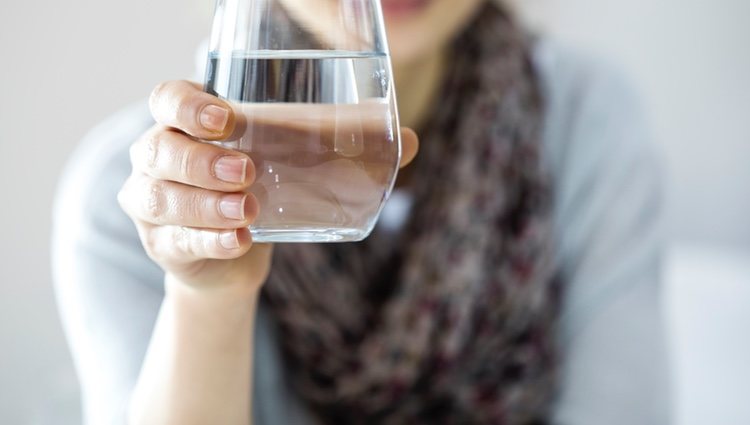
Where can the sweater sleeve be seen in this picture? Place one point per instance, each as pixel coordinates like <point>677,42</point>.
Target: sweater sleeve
<point>614,367</point>
<point>108,290</point>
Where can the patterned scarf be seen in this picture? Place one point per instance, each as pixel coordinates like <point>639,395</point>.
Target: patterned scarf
<point>453,322</point>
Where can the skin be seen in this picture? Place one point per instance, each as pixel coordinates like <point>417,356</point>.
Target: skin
<point>417,39</point>
<point>188,202</point>
<point>419,48</point>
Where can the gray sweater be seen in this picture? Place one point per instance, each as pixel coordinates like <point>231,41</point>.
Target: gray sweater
<point>607,209</point>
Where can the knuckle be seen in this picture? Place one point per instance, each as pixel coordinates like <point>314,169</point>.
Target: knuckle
<point>151,148</point>
<point>157,93</point>
<point>200,204</point>
<point>186,110</point>
<point>185,160</point>
<point>210,244</point>
<point>182,240</point>
<point>144,152</point>
<point>155,199</point>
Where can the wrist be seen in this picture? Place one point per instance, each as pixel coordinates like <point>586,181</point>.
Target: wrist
<point>224,297</point>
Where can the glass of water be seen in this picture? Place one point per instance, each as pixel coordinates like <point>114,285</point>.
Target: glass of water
<point>311,85</point>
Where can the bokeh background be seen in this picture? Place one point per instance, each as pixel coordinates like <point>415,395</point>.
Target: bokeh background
<point>66,65</point>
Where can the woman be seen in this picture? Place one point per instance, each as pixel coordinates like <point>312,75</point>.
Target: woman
<point>513,278</point>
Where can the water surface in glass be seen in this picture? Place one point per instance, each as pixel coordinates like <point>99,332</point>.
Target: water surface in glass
<point>322,130</point>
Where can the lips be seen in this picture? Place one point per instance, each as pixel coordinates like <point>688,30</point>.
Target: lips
<point>403,8</point>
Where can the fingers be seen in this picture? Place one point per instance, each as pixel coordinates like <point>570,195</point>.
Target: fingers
<point>168,155</point>
<point>183,105</point>
<point>409,146</point>
<point>162,202</point>
<point>178,244</point>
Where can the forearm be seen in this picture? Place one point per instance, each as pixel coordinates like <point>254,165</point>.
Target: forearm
<point>198,366</point>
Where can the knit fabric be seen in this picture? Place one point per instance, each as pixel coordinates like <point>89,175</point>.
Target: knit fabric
<point>453,322</point>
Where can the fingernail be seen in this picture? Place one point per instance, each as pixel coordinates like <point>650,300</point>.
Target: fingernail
<point>231,169</point>
<point>233,207</point>
<point>228,240</point>
<point>214,118</point>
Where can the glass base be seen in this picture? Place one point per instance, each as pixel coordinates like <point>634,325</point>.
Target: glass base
<point>307,235</point>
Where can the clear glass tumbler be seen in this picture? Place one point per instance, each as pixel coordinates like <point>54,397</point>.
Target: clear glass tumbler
<point>311,85</point>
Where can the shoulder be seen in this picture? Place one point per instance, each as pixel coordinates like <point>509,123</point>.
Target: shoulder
<point>594,109</point>
<point>108,291</point>
<point>595,115</point>
<point>607,178</point>
<point>91,234</point>
<point>86,194</point>
<point>565,69</point>
<point>597,136</point>
<point>105,147</point>
<point>570,73</point>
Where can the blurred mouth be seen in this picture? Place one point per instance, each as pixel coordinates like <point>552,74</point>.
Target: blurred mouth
<point>403,8</point>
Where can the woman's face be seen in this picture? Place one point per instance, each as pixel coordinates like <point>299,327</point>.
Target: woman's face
<point>416,28</point>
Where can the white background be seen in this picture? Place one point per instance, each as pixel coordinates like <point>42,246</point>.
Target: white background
<point>68,64</point>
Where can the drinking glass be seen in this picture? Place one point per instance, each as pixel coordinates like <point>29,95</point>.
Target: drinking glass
<point>310,82</point>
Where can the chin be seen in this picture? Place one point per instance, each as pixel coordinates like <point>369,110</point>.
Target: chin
<point>410,43</point>
<point>429,27</point>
